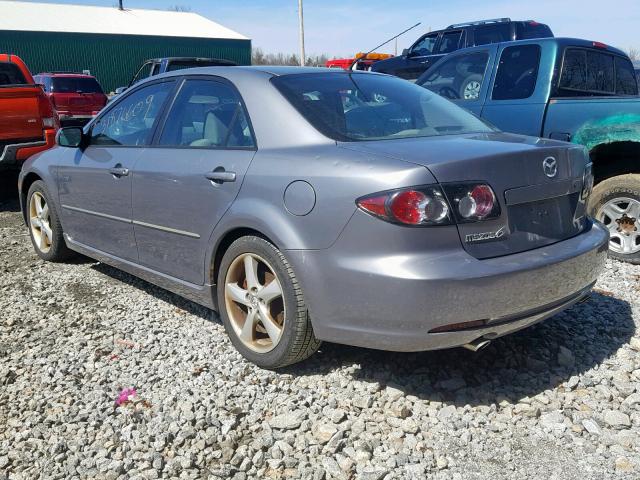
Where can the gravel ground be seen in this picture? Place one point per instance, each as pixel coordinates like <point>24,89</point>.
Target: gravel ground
<point>560,400</point>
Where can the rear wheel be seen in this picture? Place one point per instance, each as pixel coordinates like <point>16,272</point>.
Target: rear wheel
<point>44,225</point>
<point>616,203</point>
<point>262,306</point>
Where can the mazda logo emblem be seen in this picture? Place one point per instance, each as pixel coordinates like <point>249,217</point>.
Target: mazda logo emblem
<point>550,167</point>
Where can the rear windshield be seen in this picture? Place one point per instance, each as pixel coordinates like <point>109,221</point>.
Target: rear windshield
<point>526,30</point>
<point>10,74</point>
<point>75,85</point>
<point>356,107</point>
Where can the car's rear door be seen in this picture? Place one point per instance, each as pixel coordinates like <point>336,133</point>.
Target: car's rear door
<point>188,179</point>
<point>95,181</point>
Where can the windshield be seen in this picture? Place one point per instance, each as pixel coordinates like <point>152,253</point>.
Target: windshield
<point>75,85</point>
<point>356,107</point>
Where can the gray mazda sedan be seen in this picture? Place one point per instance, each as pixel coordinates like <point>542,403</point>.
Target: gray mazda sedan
<point>309,205</point>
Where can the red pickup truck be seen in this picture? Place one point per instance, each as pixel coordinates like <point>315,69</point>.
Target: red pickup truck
<point>28,122</point>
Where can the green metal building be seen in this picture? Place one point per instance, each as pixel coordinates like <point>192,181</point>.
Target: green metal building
<point>110,43</point>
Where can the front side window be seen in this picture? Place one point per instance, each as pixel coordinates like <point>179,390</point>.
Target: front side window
<point>626,83</point>
<point>207,114</point>
<point>131,121</point>
<point>425,46</point>
<point>517,73</point>
<point>458,78</point>
<point>486,34</point>
<point>449,42</point>
<point>356,107</point>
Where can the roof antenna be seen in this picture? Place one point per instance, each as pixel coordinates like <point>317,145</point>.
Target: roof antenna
<point>120,7</point>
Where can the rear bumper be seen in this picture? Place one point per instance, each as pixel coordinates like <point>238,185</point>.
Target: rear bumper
<point>392,300</point>
<point>14,154</point>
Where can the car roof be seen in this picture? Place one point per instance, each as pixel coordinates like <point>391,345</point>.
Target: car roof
<point>254,70</point>
<point>64,74</point>
<point>560,41</point>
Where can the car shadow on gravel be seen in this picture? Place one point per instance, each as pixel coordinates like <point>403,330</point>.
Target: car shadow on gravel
<point>520,365</point>
<point>9,191</point>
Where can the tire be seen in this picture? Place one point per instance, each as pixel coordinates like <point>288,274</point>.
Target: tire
<point>54,248</point>
<point>269,348</point>
<point>616,203</point>
<point>470,83</point>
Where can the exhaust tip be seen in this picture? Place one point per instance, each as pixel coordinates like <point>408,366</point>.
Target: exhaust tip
<point>477,344</point>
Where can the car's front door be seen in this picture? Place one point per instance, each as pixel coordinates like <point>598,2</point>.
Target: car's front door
<point>419,57</point>
<point>188,179</point>
<point>95,181</point>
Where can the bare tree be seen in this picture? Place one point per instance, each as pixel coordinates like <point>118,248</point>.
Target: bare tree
<point>258,57</point>
<point>634,54</point>
<point>179,8</point>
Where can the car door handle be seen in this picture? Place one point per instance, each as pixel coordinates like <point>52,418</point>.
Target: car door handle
<point>119,171</point>
<point>221,176</point>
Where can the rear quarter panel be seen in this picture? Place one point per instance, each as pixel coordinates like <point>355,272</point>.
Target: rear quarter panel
<point>594,121</point>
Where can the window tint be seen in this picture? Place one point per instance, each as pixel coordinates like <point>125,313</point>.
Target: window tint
<point>600,72</point>
<point>449,42</point>
<point>425,46</point>
<point>10,74</point>
<point>625,78</point>
<point>460,77</point>
<point>517,73</point>
<point>75,85</point>
<point>527,30</point>
<point>487,34</point>
<point>207,114</point>
<point>589,72</point>
<point>131,121</point>
<point>354,107</point>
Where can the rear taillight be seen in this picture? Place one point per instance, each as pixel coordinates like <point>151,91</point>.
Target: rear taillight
<point>471,202</point>
<point>587,182</point>
<point>47,113</point>
<point>417,206</point>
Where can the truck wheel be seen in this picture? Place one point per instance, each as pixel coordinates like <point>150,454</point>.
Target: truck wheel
<point>616,203</point>
<point>470,88</point>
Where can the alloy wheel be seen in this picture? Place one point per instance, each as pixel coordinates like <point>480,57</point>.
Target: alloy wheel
<point>254,302</point>
<point>622,217</point>
<point>471,90</point>
<point>40,222</point>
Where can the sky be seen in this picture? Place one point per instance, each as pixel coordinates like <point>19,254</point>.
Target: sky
<point>344,27</point>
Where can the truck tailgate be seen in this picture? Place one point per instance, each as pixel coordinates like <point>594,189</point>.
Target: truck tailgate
<point>20,116</point>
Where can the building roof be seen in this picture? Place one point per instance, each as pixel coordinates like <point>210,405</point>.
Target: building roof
<point>54,17</point>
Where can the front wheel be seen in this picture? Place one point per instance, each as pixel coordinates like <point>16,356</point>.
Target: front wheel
<point>262,306</point>
<point>616,203</point>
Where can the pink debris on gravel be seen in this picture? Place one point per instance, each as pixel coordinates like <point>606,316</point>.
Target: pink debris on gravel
<point>125,395</point>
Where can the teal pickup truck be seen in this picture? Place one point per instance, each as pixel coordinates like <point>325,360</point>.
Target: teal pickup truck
<point>567,89</point>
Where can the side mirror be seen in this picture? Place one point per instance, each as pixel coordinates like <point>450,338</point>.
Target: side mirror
<point>405,52</point>
<point>119,90</point>
<point>70,137</point>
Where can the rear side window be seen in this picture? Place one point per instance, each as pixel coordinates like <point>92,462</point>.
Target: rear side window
<point>75,85</point>
<point>517,73</point>
<point>10,74</point>
<point>207,114</point>
<point>626,83</point>
<point>449,42</point>
<point>527,30</point>
<point>459,77</point>
<point>588,72</point>
<point>487,34</point>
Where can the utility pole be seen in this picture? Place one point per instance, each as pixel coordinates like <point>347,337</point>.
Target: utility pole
<point>301,23</point>
<point>120,7</point>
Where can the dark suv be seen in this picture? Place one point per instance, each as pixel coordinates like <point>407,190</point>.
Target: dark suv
<point>430,47</point>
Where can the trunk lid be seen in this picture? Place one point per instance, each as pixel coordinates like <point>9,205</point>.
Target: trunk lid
<point>536,209</point>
